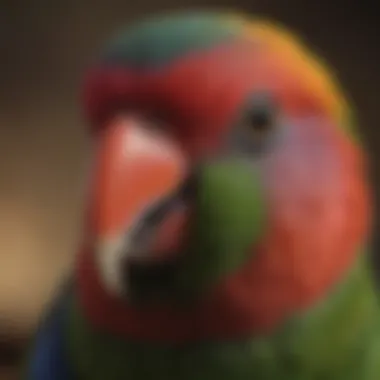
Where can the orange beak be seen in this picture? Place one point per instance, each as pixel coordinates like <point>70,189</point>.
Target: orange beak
<point>135,167</point>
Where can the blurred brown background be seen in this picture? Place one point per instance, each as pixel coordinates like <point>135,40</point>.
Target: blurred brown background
<point>45,45</point>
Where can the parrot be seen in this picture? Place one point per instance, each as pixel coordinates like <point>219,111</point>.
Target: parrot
<point>228,216</point>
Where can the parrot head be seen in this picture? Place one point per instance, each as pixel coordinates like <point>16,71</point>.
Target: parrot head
<point>228,189</point>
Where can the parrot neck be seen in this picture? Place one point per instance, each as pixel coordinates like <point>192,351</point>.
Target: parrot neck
<point>316,341</point>
<point>226,315</point>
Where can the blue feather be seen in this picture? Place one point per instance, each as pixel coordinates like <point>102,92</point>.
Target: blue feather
<point>49,358</point>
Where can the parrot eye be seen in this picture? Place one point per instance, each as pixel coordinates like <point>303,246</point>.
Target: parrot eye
<point>256,124</point>
<point>261,115</point>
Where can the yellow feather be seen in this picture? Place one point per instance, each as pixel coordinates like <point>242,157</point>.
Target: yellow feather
<point>302,61</point>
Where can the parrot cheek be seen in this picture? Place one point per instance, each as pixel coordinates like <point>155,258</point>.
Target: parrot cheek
<point>137,208</point>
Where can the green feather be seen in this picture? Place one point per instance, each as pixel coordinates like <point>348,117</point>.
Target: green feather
<point>230,216</point>
<point>156,42</point>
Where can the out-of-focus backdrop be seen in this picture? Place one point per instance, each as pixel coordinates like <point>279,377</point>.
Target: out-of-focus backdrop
<point>45,45</point>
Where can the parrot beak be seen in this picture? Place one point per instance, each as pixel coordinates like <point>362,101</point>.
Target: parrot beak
<point>154,225</point>
<point>137,211</point>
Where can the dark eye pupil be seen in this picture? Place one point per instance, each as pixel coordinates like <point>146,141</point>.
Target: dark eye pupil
<point>260,119</point>
<point>261,113</point>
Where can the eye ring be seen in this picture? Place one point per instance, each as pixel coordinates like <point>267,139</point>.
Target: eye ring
<point>254,131</point>
<point>261,116</point>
